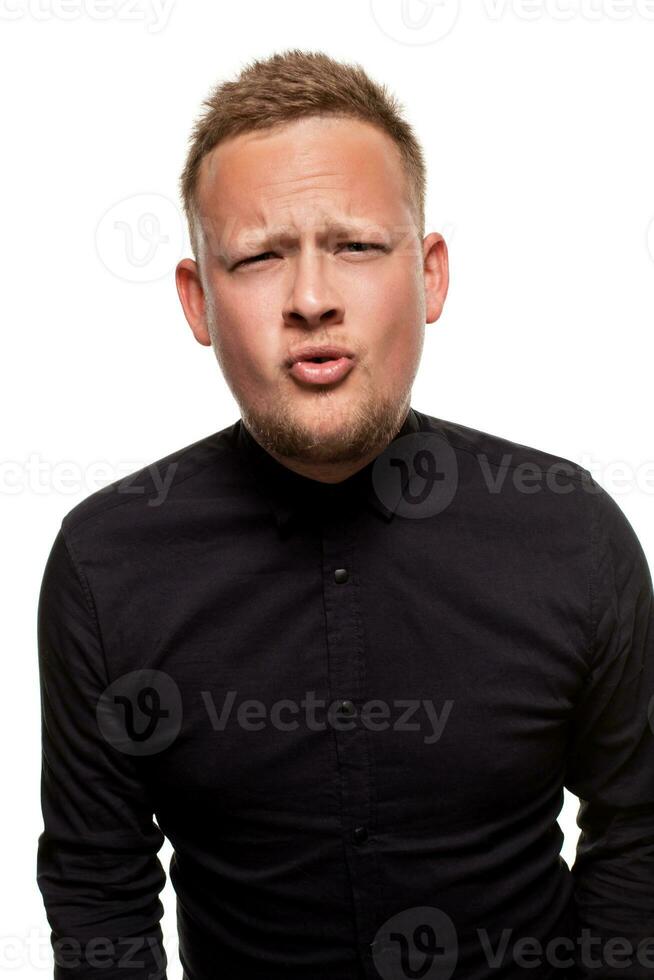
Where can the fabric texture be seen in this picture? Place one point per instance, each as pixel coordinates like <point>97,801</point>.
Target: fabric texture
<point>352,708</point>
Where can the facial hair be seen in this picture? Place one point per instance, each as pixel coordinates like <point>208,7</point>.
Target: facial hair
<point>368,427</point>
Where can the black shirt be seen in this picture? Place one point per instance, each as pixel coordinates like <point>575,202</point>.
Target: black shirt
<point>352,709</point>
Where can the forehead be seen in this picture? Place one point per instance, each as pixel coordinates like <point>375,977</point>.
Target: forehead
<point>311,164</point>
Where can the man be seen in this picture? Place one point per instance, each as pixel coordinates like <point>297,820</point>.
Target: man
<point>351,654</point>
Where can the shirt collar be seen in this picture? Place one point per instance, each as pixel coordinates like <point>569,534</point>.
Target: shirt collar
<point>288,493</point>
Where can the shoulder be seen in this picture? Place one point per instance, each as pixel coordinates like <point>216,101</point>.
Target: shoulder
<point>490,450</point>
<point>146,490</point>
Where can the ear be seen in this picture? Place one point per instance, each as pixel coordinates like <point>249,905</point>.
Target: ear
<point>436,274</point>
<point>191,296</point>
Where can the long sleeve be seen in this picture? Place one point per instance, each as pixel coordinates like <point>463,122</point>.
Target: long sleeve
<point>97,864</point>
<point>611,757</point>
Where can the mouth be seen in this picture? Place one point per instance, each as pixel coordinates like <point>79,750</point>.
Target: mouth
<point>322,370</point>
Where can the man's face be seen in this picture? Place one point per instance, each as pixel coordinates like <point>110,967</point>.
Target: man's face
<point>294,202</point>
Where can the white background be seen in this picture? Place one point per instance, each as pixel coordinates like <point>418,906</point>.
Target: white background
<point>536,120</point>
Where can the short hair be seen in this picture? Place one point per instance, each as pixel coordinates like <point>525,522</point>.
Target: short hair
<point>290,85</point>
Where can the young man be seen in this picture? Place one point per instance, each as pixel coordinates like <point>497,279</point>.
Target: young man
<point>352,654</point>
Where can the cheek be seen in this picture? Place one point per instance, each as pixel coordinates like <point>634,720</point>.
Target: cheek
<point>400,357</point>
<point>397,287</point>
<point>392,316</point>
<point>245,326</point>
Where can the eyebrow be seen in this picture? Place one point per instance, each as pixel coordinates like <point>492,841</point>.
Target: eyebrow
<point>252,238</point>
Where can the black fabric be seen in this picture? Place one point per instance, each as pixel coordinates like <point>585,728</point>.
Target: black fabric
<point>506,638</point>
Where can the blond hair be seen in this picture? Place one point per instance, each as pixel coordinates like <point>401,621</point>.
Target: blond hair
<point>290,85</point>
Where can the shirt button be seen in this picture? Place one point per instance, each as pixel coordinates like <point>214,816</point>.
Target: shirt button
<point>346,708</point>
<point>359,835</point>
<point>340,575</point>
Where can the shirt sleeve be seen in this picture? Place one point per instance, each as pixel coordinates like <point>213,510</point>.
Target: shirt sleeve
<point>97,864</point>
<point>610,764</point>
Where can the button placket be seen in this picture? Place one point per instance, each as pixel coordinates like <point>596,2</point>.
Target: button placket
<point>346,671</point>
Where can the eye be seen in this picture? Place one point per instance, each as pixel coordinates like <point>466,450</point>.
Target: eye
<point>359,249</point>
<point>254,258</point>
<point>365,245</point>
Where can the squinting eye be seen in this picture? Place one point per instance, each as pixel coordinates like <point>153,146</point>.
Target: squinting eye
<point>367,245</point>
<point>254,258</point>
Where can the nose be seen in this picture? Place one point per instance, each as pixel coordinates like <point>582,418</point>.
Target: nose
<point>313,300</point>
